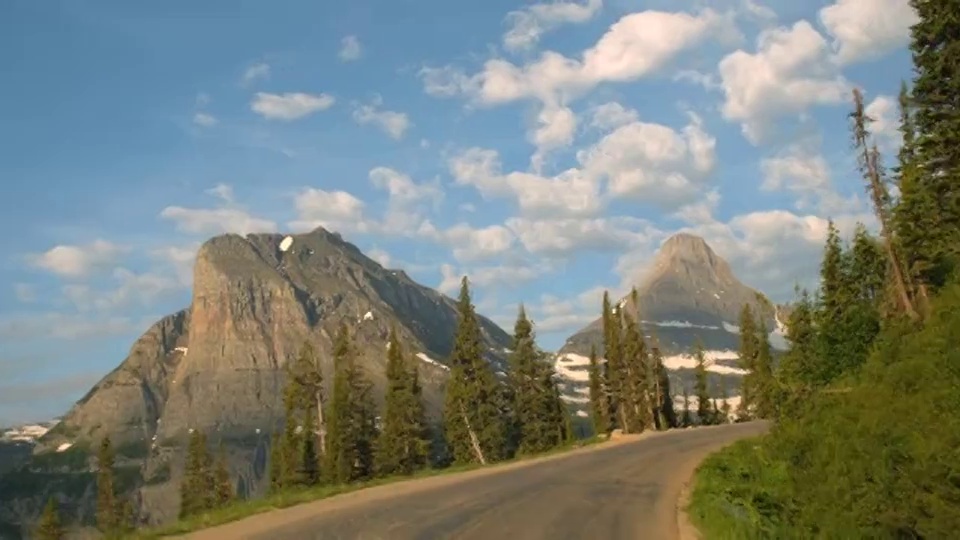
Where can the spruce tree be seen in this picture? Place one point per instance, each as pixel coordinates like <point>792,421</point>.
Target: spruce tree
<point>223,483</point>
<point>613,351</point>
<point>700,385</point>
<point>551,414</point>
<point>667,417</point>
<point>352,430</point>
<point>49,527</point>
<point>936,101</point>
<point>197,489</point>
<point>402,446</point>
<point>636,414</point>
<point>110,510</point>
<point>599,410</point>
<point>525,385</point>
<point>747,359</point>
<point>476,430</point>
<point>765,388</point>
<point>307,378</point>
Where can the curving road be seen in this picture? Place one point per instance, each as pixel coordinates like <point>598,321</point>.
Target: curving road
<point>625,489</point>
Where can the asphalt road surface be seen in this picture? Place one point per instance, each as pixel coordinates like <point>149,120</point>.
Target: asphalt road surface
<point>624,489</point>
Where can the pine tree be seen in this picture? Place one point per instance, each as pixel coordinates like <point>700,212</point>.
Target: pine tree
<point>352,431</point>
<point>599,409</point>
<point>223,483</point>
<point>525,386</point>
<point>667,416</point>
<point>402,446</point>
<point>872,170</point>
<point>936,119</point>
<point>110,510</point>
<point>634,363</point>
<point>616,374</point>
<point>765,389</point>
<point>197,490</point>
<point>49,527</point>
<point>476,430</point>
<point>700,385</point>
<point>749,349</point>
<point>307,377</point>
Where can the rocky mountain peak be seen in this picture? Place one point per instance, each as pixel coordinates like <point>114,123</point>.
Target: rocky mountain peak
<point>688,254</point>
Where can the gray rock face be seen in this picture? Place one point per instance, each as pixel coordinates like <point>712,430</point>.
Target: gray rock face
<point>689,293</point>
<point>218,365</point>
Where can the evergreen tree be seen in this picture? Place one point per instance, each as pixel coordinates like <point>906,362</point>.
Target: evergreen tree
<point>700,385</point>
<point>551,414</point>
<point>667,417</point>
<point>307,382</point>
<point>223,483</point>
<point>748,352</point>
<point>936,120</point>
<point>403,443</point>
<point>636,413</point>
<point>725,408</point>
<point>476,430</point>
<point>599,409</point>
<point>525,385</point>
<point>352,431</point>
<point>277,465</point>
<point>765,390</point>
<point>49,527</point>
<point>616,376</point>
<point>197,490</point>
<point>872,170</point>
<point>110,509</point>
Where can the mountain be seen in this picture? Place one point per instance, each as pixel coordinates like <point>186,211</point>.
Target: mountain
<point>688,293</point>
<point>217,366</point>
<point>17,443</point>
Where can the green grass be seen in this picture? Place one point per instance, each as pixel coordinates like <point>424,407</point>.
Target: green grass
<point>742,493</point>
<point>242,509</point>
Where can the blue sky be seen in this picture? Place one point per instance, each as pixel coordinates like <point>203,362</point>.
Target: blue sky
<point>545,150</point>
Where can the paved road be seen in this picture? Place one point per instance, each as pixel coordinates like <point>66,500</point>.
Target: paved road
<point>624,489</point>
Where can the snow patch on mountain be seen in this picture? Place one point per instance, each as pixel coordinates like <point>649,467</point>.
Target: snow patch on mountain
<point>26,433</point>
<point>689,361</point>
<point>573,367</point>
<point>427,359</point>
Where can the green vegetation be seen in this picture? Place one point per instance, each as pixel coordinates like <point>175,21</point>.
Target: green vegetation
<point>114,514</point>
<point>866,440</point>
<point>50,527</point>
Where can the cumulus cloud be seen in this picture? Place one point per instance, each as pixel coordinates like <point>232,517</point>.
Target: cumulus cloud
<point>350,49</point>
<point>333,210</point>
<point>179,258</point>
<point>129,289</point>
<point>290,106</point>
<point>612,115</point>
<point>790,71</point>
<point>492,277</point>
<point>469,243</point>
<point>407,200</point>
<point>527,25</point>
<point>78,261</point>
<point>883,112</point>
<point>394,124</point>
<point>867,29</point>
<point>637,159</point>
<point>565,237</point>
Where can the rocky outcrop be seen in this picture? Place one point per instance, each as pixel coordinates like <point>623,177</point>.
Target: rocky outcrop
<point>218,366</point>
<point>689,293</point>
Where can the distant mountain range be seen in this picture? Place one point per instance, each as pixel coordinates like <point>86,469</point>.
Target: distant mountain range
<point>217,365</point>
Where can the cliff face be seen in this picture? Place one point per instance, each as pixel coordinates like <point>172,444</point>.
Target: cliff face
<point>218,366</point>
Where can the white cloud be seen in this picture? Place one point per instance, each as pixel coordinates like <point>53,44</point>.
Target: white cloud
<point>791,71</point>
<point>180,258</point>
<point>255,72</point>
<point>798,169</point>
<point>401,188</point>
<point>470,244</point>
<point>204,119</point>
<point>350,49</point>
<point>884,113</point>
<point>210,221</point>
<point>290,106</point>
<point>333,210</point>
<point>867,29</point>
<point>527,25</point>
<point>564,237</point>
<point>381,256</point>
<point>634,46</point>
<point>394,124</point>
<point>77,261</point>
<point>638,160</point>
<point>612,115</point>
